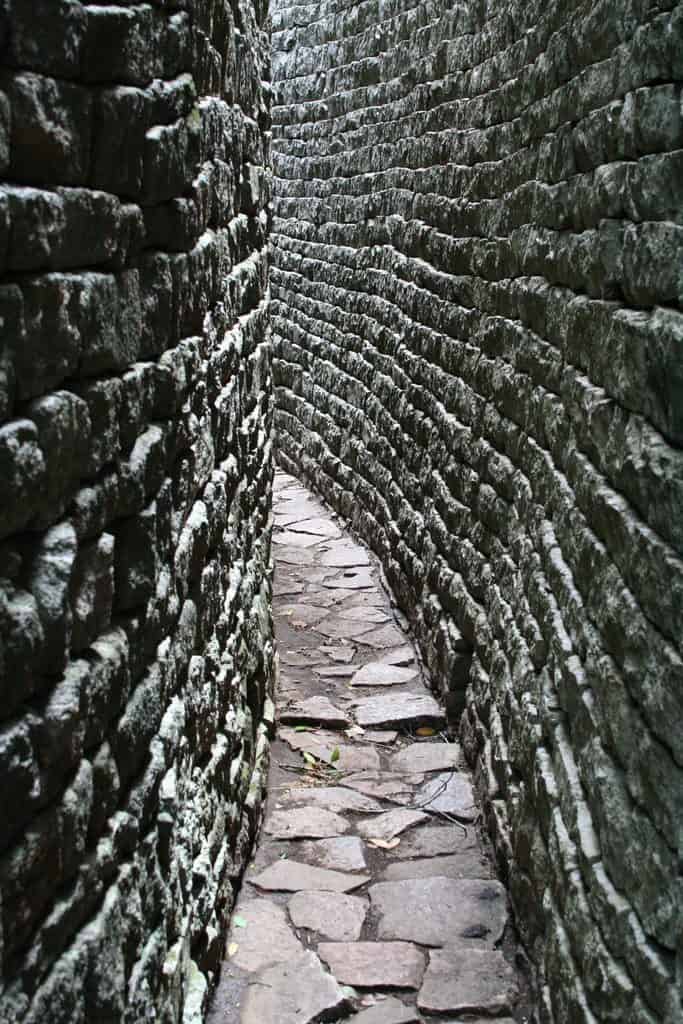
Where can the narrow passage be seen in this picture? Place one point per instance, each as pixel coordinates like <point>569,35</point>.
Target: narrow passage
<point>370,896</point>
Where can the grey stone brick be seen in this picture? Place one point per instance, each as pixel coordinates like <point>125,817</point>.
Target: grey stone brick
<point>50,140</point>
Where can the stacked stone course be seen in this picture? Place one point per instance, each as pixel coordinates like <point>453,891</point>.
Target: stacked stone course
<point>135,482</point>
<point>477,285</point>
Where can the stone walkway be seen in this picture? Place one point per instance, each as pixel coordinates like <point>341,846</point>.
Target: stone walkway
<point>370,896</point>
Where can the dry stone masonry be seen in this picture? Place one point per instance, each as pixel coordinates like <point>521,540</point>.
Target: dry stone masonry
<point>135,477</point>
<point>478,243</point>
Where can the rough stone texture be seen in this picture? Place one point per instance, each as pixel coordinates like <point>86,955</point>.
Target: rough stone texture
<point>404,710</point>
<point>374,964</point>
<point>334,915</point>
<point>340,854</point>
<point>305,823</point>
<point>292,876</point>
<point>388,1011</point>
<point>478,337</point>
<point>263,936</point>
<point>298,992</point>
<point>135,480</point>
<point>439,911</point>
<point>467,981</point>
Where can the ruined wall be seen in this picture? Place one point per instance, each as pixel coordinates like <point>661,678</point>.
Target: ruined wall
<point>135,476</point>
<point>479,361</point>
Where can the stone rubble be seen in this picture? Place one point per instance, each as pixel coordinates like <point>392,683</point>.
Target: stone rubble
<point>375,876</point>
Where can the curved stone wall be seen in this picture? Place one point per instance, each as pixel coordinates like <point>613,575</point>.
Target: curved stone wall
<point>135,478</point>
<point>479,360</point>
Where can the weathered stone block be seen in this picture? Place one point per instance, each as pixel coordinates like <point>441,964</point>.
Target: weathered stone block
<point>135,566</point>
<point>21,770</point>
<point>50,576</point>
<point>22,639</point>
<point>23,474</point>
<point>64,430</point>
<point>103,400</point>
<point>47,37</point>
<point>92,591</point>
<point>5,132</point>
<point>171,159</point>
<point>121,44</point>
<point>50,139</point>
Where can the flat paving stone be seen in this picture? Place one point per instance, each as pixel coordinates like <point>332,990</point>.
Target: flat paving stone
<point>287,588</point>
<point>293,876</point>
<point>357,758</point>
<point>440,911</point>
<point>337,916</point>
<point>389,1011</point>
<point>296,509</point>
<point>383,785</point>
<point>291,555</point>
<point>352,757</point>
<point>295,659</point>
<point>295,540</point>
<point>343,653</point>
<point>355,579</point>
<point>361,613</point>
<point>266,937</point>
<point>342,854</point>
<point>303,614</point>
<point>376,673</point>
<point>401,709</point>
<point>468,865</point>
<point>391,824</point>
<point>438,840</point>
<point>374,964</point>
<point>403,655</point>
<point>385,636</point>
<point>346,629</point>
<point>384,736</point>
<point>305,823</point>
<point>300,991</point>
<point>315,711</point>
<point>319,526</point>
<point>467,981</point>
<point>333,798</point>
<point>336,671</point>
<point>344,554</point>
<point>451,793</point>
<point>426,757</point>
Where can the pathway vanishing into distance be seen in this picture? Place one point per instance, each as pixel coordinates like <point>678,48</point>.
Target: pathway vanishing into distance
<point>370,896</point>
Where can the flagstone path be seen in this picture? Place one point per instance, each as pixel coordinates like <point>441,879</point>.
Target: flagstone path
<point>370,897</point>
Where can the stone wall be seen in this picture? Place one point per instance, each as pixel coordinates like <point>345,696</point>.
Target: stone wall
<point>135,478</point>
<point>479,360</point>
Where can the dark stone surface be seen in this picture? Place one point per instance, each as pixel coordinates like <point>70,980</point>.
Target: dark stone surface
<point>135,479</point>
<point>477,325</point>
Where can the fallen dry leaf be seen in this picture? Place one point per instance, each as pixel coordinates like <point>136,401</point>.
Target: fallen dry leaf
<point>425,730</point>
<point>232,948</point>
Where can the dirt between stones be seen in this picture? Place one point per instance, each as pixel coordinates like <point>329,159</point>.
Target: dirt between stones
<point>371,896</point>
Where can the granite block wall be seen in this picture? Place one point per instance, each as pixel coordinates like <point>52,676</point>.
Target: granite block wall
<point>477,281</point>
<point>135,480</point>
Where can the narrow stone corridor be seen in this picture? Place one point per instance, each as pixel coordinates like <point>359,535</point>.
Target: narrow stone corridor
<point>370,893</point>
